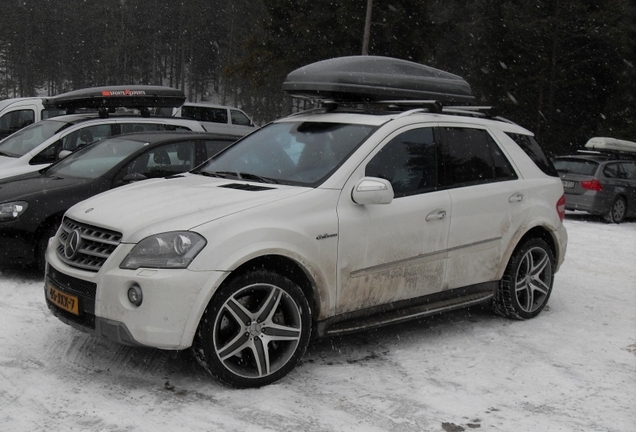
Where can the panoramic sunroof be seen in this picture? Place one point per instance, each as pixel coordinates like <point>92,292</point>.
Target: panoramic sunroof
<point>375,78</point>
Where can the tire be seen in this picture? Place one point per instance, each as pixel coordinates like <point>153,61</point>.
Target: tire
<point>42,244</point>
<point>255,330</point>
<point>617,211</point>
<point>526,285</point>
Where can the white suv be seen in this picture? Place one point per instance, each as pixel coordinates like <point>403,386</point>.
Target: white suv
<point>318,224</point>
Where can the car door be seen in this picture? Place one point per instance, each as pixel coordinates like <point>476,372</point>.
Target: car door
<point>397,251</point>
<point>488,204</point>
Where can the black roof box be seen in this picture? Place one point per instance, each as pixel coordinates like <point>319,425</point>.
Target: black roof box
<point>134,96</point>
<point>374,78</point>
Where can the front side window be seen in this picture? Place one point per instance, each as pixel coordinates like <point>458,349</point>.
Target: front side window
<point>408,161</point>
<point>238,118</point>
<point>164,161</point>
<point>471,156</point>
<point>301,153</point>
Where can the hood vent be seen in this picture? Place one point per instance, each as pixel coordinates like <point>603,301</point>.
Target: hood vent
<point>245,187</point>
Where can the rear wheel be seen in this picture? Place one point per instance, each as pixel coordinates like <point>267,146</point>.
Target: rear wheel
<point>255,330</point>
<point>617,211</point>
<point>527,282</point>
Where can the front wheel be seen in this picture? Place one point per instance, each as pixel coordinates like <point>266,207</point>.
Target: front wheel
<point>527,282</point>
<point>255,330</point>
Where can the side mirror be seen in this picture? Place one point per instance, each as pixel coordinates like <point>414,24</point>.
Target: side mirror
<point>372,190</point>
<point>133,177</point>
<point>63,154</point>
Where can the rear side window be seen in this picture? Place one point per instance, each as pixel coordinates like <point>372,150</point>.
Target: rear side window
<point>214,115</point>
<point>576,166</point>
<point>471,156</point>
<point>529,145</point>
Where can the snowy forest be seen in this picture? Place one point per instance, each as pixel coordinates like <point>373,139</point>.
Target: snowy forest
<point>564,69</point>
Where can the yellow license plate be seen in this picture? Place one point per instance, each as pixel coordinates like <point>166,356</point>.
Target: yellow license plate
<point>69,303</point>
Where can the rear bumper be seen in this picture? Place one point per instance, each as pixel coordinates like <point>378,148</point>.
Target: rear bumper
<point>591,201</point>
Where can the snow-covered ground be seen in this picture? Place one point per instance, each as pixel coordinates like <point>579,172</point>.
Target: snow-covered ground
<point>573,368</point>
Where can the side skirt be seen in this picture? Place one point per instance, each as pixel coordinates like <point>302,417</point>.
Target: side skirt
<point>406,310</point>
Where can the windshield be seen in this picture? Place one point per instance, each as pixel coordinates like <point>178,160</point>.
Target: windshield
<point>302,153</point>
<point>95,160</point>
<point>25,140</point>
<point>576,166</point>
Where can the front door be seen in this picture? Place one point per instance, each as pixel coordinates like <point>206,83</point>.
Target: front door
<point>397,251</point>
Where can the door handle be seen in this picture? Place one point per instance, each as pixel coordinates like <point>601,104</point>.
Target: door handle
<point>436,215</point>
<point>516,198</point>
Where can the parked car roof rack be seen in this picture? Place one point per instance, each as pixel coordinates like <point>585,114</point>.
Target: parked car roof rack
<point>107,99</point>
<point>610,147</point>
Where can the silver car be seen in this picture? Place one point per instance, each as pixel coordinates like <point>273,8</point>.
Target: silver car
<point>599,184</point>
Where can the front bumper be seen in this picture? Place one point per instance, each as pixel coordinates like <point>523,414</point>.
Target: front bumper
<point>168,317</point>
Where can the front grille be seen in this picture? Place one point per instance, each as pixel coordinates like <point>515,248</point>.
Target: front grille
<point>96,245</point>
<point>85,291</point>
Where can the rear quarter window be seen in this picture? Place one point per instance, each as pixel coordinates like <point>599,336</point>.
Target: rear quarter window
<point>532,148</point>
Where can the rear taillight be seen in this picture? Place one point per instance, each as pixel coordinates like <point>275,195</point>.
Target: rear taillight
<point>593,185</point>
<point>560,207</point>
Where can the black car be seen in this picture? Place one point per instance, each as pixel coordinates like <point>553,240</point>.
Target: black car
<point>32,205</point>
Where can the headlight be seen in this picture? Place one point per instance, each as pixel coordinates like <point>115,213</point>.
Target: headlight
<point>12,210</point>
<point>167,250</point>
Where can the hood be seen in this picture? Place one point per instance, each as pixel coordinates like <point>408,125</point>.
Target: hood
<point>10,167</point>
<point>33,185</point>
<point>182,202</point>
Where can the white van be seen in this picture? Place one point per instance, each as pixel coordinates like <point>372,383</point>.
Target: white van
<point>217,118</point>
<point>17,113</point>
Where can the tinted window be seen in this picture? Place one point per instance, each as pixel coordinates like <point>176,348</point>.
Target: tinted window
<point>630,170</point>
<point>408,161</point>
<point>575,166</point>
<point>529,145</point>
<point>470,156</point>
<point>213,147</point>
<point>208,114</point>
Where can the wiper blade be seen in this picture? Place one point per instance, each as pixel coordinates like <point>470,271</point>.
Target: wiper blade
<point>238,175</point>
<point>5,154</point>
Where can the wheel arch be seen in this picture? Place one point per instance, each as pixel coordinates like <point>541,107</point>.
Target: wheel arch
<point>538,231</point>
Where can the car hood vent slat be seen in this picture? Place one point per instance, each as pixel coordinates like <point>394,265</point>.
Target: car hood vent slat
<point>245,187</point>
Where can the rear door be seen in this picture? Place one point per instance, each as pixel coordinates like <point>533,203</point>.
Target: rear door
<point>488,204</point>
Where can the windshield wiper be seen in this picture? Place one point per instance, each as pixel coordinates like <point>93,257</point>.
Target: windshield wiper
<point>238,175</point>
<point>5,154</point>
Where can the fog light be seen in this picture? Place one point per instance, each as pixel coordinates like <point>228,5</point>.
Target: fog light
<point>135,296</point>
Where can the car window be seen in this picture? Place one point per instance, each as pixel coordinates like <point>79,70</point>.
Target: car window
<point>612,170</point>
<point>212,147</point>
<point>208,114</point>
<point>576,166</point>
<point>630,170</point>
<point>291,152</point>
<point>149,127</point>
<point>532,148</point>
<point>471,156</point>
<point>95,160</point>
<point>25,140</point>
<point>408,161</point>
<point>238,118</point>
<point>71,142</point>
<point>16,120</point>
<point>163,161</point>
<point>51,112</point>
